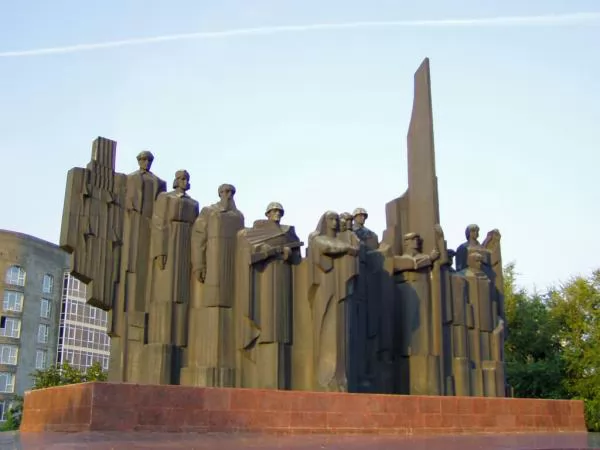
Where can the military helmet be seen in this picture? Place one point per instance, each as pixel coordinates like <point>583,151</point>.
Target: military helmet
<point>358,211</point>
<point>274,205</point>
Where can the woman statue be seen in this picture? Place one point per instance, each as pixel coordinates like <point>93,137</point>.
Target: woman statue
<point>333,266</point>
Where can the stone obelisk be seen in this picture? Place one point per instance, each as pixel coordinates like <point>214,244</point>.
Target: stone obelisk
<point>417,211</point>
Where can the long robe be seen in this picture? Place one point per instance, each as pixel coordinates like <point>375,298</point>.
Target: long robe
<point>487,368</point>
<point>211,351</point>
<point>172,223</point>
<point>419,367</point>
<point>127,319</point>
<point>333,273</point>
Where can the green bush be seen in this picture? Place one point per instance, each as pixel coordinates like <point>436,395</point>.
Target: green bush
<point>13,415</point>
<point>592,414</point>
<point>61,375</point>
<point>56,375</point>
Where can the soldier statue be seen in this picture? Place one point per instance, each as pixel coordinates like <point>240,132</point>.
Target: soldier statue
<point>367,237</point>
<point>267,253</point>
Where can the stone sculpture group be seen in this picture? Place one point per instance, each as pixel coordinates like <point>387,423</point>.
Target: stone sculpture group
<point>196,298</point>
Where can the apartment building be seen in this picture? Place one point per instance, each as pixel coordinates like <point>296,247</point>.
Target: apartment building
<point>45,317</point>
<point>82,338</point>
<point>32,271</point>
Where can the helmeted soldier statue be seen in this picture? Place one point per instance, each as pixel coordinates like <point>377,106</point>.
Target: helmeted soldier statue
<point>366,236</point>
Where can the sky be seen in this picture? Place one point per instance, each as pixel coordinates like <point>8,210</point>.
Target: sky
<point>316,117</point>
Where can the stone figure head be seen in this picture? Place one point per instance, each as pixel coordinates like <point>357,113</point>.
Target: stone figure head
<point>493,238</point>
<point>413,244</point>
<point>329,225</point>
<point>181,183</point>
<point>475,261</point>
<point>274,212</point>
<point>226,194</point>
<point>345,221</point>
<point>333,222</point>
<point>472,232</point>
<point>145,160</point>
<point>360,216</point>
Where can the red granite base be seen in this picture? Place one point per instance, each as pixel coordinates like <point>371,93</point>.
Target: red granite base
<point>133,407</point>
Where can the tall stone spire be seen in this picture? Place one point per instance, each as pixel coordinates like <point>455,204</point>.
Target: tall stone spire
<point>417,210</point>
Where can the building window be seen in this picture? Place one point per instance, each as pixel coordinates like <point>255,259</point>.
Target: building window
<point>7,382</point>
<point>13,301</point>
<point>69,357</point>
<point>3,409</point>
<point>48,284</point>
<point>43,333</point>
<point>41,357</point>
<point>90,338</point>
<point>72,312</point>
<point>15,275</point>
<point>45,308</point>
<point>8,354</point>
<point>12,328</point>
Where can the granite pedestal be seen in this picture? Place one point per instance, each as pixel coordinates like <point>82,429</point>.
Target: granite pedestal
<point>132,407</point>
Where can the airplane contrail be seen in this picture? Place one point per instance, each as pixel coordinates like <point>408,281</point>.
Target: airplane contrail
<point>554,19</point>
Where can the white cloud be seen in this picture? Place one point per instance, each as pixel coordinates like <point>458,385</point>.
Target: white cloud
<point>547,20</point>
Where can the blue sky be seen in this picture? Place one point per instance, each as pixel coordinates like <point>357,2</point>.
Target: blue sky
<point>317,120</point>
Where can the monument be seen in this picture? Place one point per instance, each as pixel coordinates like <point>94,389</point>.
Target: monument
<point>199,299</point>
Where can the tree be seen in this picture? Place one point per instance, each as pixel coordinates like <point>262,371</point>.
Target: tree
<point>576,308</point>
<point>13,415</point>
<point>534,367</point>
<point>60,375</point>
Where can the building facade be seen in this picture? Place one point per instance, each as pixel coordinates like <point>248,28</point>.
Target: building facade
<point>82,338</point>
<point>32,272</point>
